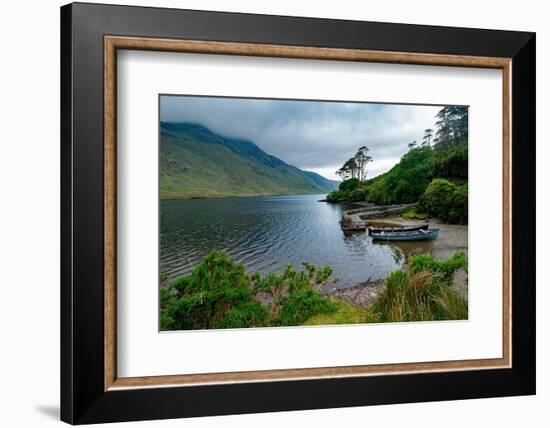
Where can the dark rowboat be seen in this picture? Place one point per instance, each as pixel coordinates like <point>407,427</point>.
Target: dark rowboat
<point>373,229</point>
<point>411,235</point>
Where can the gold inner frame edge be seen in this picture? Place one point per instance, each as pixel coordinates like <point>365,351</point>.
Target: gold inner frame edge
<point>113,43</point>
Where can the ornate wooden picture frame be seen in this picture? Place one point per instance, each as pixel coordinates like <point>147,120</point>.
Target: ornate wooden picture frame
<point>91,390</point>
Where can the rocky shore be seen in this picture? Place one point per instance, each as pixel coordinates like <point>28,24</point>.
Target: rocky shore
<point>362,295</point>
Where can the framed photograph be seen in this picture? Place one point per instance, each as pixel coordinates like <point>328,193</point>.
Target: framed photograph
<point>266,213</point>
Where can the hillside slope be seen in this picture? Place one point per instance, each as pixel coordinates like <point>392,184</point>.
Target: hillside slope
<point>197,163</point>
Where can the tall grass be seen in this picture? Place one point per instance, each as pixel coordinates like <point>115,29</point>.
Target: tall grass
<point>422,292</point>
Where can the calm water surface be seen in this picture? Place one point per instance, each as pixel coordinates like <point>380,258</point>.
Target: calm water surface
<point>267,233</point>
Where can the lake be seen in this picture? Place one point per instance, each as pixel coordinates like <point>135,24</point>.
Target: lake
<point>266,233</point>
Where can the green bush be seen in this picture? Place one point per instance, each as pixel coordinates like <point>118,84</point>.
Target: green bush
<point>220,294</point>
<point>348,190</point>
<point>246,314</point>
<point>301,305</point>
<point>349,185</point>
<point>459,210</point>
<point>337,196</point>
<point>201,299</point>
<point>437,197</point>
<point>446,201</point>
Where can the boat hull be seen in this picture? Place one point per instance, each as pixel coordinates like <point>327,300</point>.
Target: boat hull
<point>419,235</point>
<point>373,229</point>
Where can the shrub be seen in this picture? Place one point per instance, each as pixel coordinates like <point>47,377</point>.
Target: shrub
<point>301,305</point>
<point>337,196</point>
<point>220,294</point>
<point>201,299</point>
<point>459,211</point>
<point>349,185</point>
<point>247,314</point>
<point>437,197</point>
<point>446,201</point>
<point>348,190</point>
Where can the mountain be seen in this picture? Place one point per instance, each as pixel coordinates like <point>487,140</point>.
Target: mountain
<point>197,163</point>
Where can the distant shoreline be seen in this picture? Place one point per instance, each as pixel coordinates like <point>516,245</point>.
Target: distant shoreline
<point>181,198</point>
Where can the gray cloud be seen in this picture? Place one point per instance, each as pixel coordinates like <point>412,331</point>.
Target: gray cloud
<point>312,135</point>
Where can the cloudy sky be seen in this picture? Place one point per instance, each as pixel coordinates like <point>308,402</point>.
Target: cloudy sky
<point>312,135</point>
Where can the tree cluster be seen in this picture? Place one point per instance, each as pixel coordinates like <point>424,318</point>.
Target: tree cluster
<point>451,126</point>
<point>443,154</point>
<point>356,167</point>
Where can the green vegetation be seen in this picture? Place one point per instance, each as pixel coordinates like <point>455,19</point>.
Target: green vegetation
<point>301,305</point>
<point>220,294</point>
<point>348,190</point>
<point>426,262</point>
<point>422,292</point>
<point>414,215</point>
<point>452,162</point>
<point>196,163</point>
<point>344,313</point>
<point>446,200</point>
<point>406,181</point>
<point>417,176</point>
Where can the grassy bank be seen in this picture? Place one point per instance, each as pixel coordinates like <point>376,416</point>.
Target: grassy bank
<point>219,293</point>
